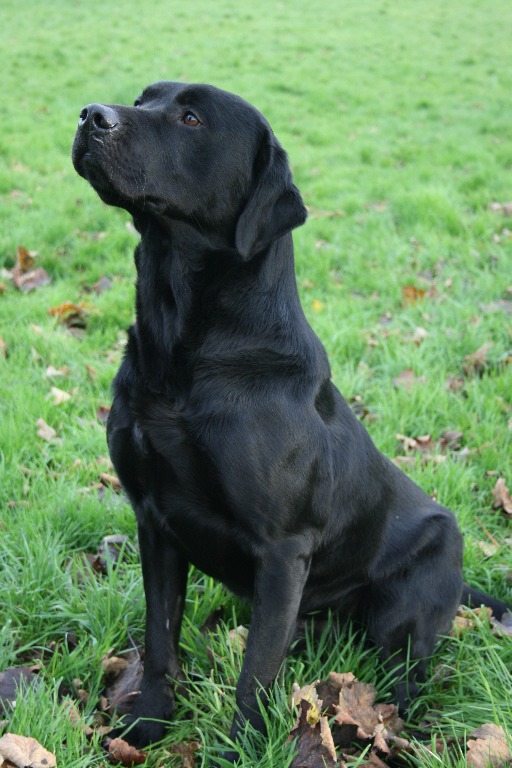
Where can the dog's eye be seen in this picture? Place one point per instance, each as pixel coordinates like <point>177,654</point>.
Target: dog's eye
<point>190,119</point>
<point>137,103</point>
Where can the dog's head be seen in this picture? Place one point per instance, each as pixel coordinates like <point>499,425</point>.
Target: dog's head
<point>191,153</point>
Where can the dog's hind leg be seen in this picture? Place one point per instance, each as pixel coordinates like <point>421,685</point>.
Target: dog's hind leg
<point>412,604</point>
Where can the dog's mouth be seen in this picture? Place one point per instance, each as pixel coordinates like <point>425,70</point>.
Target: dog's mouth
<point>95,151</point>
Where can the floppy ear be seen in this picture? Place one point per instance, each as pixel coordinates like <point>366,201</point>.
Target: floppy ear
<point>274,206</point>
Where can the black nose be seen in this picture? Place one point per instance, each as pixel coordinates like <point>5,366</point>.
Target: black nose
<point>98,116</point>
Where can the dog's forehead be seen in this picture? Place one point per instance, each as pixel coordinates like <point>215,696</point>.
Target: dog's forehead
<point>200,94</point>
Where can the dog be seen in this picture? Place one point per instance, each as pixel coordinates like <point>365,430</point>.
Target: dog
<point>236,450</point>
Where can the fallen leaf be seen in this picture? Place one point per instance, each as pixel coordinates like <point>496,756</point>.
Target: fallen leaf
<point>488,548</point>
<point>44,431</point>
<point>32,280</point>
<point>419,335</point>
<point>25,276</point>
<point>102,285</point>
<point>411,294</point>
<point>407,379</point>
<point>125,754</point>
<point>69,314</point>
<point>308,693</point>
<point>476,362</point>
<point>466,618</point>
<point>52,372</point>
<point>315,745</point>
<point>501,305</point>
<point>24,259</point>
<point>112,547</point>
<point>124,685</point>
<point>503,627</point>
<point>11,680</point>
<point>487,746</point>
<point>102,413</point>
<point>502,498</point>
<point>113,665</point>
<point>186,752</point>
<point>503,208</point>
<point>238,638</point>
<point>59,396</point>
<point>75,717</point>
<point>454,383</point>
<point>356,709</point>
<point>3,348</point>
<point>25,752</point>
<point>110,481</point>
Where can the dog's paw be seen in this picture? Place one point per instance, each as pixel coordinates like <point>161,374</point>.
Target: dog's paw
<point>140,732</point>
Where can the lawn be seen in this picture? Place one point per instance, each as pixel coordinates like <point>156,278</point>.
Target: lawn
<point>397,120</point>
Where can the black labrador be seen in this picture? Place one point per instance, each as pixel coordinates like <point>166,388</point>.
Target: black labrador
<point>237,451</point>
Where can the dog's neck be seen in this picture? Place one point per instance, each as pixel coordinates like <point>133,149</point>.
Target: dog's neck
<point>191,294</point>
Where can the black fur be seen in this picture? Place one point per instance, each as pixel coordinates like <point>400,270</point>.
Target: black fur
<point>238,453</point>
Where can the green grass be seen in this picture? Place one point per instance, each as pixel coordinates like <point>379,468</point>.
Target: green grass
<point>396,117</point>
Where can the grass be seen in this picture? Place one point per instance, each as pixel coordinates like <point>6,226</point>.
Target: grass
<point>396,117</point>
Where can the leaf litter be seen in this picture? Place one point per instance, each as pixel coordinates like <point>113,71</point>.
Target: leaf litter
<point>338,721</point>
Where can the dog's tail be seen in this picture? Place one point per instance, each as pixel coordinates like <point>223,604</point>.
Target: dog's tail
<point>473,598</point>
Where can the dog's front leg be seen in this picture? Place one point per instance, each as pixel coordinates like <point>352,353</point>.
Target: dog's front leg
<point>280,578</point>
<point>165,579</point>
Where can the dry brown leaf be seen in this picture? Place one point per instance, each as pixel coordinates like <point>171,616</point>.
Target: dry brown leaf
<point>503,208</point>
<point>59,396</point>
<point>502,498</point>
<point>75,718</point>
<point>187,753</point>
<point>419,335</point>
<point>476,362</point>
<point>125,754</point>
<point>308,693</point>
<point>360,717</point>
<point>70,314</point>
<point>237,638</point>
<point>110,481</point>
<point>411,294</point>
<point>112,547</point>
<point>52,372</point>
<point>25,752</point>
<point>466,618</point>
<point>25,275</point>
<point>113,665</point>
<point>489,548</point>
<point>25,259</point>
<point>102,285</point>
<point>44,431</point>
<point>407,379</point>
<point>11,680</point>
<point>102,413</point>
<point>125,687</point>
<point>503,627</point>
<point>32,280</point>
<point>315,746</point>
<point>487,746</point>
